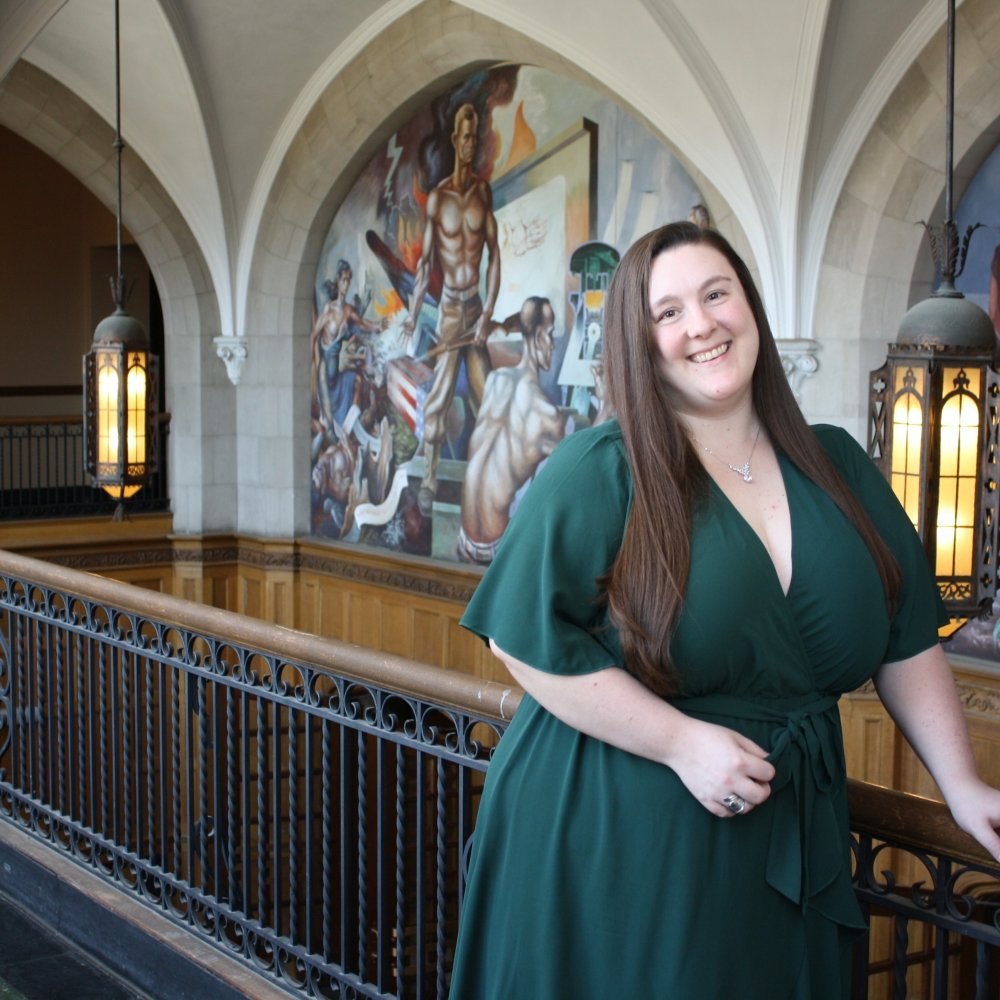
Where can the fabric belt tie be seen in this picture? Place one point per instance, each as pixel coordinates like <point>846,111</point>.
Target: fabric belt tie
<point>806,849</point>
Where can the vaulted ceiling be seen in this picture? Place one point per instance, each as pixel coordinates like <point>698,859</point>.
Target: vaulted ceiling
<point>769,101</point>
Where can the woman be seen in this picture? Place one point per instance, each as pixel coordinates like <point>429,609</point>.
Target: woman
<point>683,594</point>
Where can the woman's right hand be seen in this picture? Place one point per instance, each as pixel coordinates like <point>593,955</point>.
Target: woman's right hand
<point>611,705</point>
<point>714,762</point>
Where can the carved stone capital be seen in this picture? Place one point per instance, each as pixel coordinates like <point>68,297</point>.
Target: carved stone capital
<point>798,358</point>
<point>233,351</point>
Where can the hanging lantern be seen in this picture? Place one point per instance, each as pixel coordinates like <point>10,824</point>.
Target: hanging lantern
<point>120,375</point>
<point>933,431</point>
<point>933,414</point>
<point>121,380</point>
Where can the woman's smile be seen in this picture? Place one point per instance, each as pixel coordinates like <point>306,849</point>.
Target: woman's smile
<point>715,352</point>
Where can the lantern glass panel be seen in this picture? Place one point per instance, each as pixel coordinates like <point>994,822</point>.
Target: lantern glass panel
<point>958,465</point>
<point>907,447</point>
<point>136,387</point>
<point>107,409</point>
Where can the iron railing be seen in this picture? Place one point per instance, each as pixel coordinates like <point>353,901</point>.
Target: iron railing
<point>42,473</point>
<point>932,896</point>
<point>307,806</point>
<point>302,804</point>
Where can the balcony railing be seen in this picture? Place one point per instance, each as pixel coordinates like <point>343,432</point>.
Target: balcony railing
<point>42,474</point>
<point>933,899</point>
<point>308,806</point>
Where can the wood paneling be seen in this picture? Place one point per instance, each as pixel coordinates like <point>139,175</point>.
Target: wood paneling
<point>877,752</point>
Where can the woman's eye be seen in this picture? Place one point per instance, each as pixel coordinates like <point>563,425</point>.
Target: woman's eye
<point>666,314</point>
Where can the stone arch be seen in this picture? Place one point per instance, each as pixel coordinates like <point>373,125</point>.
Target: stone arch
<point>875,262</point>
<point>418,56</point>
<point>44,112</point>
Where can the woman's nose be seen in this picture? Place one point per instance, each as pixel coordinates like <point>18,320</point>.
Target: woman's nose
<point>700,321</point>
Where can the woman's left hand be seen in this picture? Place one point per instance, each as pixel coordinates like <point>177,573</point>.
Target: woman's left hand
<point>920,695</point>
<point>976,809</point>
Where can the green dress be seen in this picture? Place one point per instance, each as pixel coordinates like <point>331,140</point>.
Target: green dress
<point>594,873</point>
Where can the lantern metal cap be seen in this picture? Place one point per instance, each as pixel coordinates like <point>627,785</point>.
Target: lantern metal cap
<point>121,329</point>
<point>947,319</point>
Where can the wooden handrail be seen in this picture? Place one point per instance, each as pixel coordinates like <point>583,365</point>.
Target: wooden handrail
<point>446,687</point>
<point>911,820</point>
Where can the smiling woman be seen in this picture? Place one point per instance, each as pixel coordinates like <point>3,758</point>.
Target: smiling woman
<point>705,334</point>
<point>678,626</point>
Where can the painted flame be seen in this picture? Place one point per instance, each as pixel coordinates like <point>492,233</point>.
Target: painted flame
<point>523,142</point>
<point>420,197</point>
<point>409,239</point>
<point>389,305</point>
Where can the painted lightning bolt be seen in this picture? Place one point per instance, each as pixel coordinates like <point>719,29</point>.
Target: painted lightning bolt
<point>393,152</point>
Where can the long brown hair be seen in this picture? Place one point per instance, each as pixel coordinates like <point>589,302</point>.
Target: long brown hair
<point>646,583</point>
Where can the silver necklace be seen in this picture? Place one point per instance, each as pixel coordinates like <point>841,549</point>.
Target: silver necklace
<point>740,470</point>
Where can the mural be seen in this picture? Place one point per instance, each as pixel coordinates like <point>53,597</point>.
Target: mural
<point>980,281</point>
<point>459,306</point>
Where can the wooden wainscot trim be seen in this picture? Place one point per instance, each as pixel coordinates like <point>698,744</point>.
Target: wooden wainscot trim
<point>977,695</point>
<point>407,574</point>
<point>979,699</point>
<point>206,550</point>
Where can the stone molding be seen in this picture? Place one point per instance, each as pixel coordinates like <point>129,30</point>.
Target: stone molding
<point>798,358</point>
<point>233,352</point>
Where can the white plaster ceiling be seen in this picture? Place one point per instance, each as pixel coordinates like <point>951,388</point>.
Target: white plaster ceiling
<point>770,99</point>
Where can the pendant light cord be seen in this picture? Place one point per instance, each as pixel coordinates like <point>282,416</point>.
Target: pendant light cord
<point>118,286</point>
<point>949,137</point>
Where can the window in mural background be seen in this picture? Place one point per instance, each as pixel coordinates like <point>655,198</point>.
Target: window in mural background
<point>980,283</point>
<point>459,306</point>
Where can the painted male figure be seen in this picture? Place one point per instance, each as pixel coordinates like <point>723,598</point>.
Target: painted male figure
<point>460,224</point>
<point>517,427</point>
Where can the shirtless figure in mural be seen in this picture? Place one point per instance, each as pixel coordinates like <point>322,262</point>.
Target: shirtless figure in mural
<point>517,427</point>
<point>460,225</point>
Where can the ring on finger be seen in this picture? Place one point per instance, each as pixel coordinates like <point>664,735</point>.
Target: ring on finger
<point>735,803</point>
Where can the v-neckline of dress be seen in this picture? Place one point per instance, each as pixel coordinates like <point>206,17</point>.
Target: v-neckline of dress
<point>749,529</point>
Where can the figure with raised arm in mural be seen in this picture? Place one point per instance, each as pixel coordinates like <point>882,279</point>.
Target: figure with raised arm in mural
<point>459,226</point>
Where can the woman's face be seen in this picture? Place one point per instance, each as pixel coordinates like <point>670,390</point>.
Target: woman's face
<point>704,332</point>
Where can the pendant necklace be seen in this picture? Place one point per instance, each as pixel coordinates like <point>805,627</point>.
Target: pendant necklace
<point>740,470</point>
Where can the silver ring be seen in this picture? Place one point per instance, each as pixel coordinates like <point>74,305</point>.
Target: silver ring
<point>735,803</point>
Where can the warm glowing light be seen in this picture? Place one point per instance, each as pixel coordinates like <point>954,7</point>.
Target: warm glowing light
<point>111,462</point>
<point>107,410</point>
<point>593,299</point>
<point>907,446</point>
<point>122,491</point>
<point>958,465</point>
<point>136,385</point>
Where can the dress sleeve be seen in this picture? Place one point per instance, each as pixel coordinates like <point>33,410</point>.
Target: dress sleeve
<point>540,599</point>
<point>919,609</point>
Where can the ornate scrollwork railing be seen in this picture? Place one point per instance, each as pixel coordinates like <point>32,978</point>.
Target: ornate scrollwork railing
<point>932,896</point>
<point>304,805</point>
